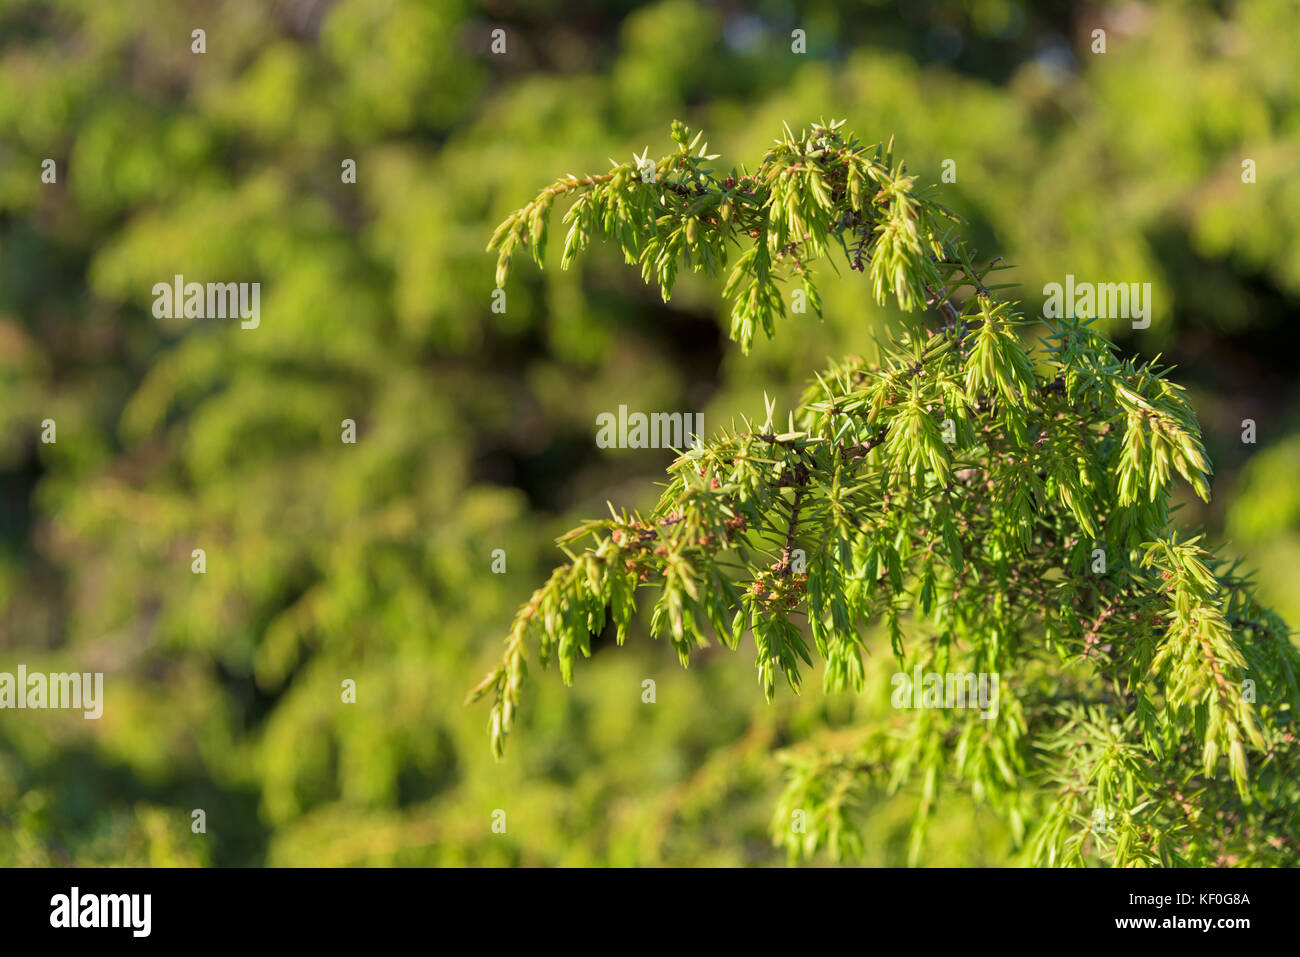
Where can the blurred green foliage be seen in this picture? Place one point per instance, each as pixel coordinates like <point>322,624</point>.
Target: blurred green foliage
<point>372,561</point>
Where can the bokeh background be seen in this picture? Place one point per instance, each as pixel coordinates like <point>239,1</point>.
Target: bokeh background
<point>372,561</point>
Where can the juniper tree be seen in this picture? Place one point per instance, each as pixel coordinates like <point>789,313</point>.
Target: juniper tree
<point>967,504</point>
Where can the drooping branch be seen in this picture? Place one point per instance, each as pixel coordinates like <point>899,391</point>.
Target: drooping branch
<point>961,487</point>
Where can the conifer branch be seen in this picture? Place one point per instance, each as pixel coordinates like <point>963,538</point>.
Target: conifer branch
<point>953,499</point>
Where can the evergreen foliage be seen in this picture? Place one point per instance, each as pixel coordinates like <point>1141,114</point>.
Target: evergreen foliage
<point>373,561</point>
<point>981,506</point>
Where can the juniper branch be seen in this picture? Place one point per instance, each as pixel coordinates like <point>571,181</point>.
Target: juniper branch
<point>953,497</point>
